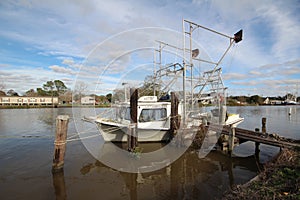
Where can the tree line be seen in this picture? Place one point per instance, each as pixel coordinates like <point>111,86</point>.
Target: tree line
<point>57,88</point>
<point>256,99</point>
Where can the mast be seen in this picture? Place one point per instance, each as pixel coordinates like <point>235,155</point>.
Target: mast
<point>184,74</point>
<point>191,66</point>
<point>210,80</point>
<point>193,26</point>
<point>154,72</point>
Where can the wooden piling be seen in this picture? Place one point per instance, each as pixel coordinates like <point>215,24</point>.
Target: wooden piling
<point>257,144</point>
<point>132,137</point>
<point>263,125</point>
<point>132,141</point>
<point>174,113</point>
<point>60,142</point>
<point>231,140</point>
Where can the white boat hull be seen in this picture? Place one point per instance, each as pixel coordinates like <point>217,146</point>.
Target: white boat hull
<point>114,133</point>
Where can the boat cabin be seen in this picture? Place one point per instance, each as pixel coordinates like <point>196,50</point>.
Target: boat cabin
<point>150,112</point>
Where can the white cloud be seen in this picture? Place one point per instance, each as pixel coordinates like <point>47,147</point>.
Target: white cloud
<point>69,61</point>
<point>23,79</point>
<point>63,70</point>
<point>69,30</point>
<point>4,65</point>
<point>235,76</point>
<point>286,30</point>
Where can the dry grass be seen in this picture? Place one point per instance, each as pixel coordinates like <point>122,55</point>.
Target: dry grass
<point>279,180</point>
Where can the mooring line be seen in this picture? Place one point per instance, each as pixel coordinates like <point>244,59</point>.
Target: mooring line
<point>76,139</point>
<point>76,134</point>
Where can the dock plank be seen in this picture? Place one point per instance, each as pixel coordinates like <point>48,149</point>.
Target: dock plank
<point>264,138</point>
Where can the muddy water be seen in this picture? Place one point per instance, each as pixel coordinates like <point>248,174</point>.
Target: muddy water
<point>26,150</point>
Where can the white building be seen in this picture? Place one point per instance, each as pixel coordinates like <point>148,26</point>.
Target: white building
<point>267,101</point>
<point>19,101</point>
<point>88,100</point>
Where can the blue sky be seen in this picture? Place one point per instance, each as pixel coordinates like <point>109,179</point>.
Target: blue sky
<point>74,41</point>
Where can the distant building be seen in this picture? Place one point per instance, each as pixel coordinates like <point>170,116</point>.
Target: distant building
<point>267,101</point>
<point>88,100</point>
<point>276,102</point>
<point>20,101</point>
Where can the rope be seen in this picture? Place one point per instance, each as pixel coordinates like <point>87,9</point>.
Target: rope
<point>60,142</point>
<point>92,136</point>
<point>76,139</point>
<point>76,134</point>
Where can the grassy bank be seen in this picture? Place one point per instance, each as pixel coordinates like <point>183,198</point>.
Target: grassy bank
<point>279,180</point>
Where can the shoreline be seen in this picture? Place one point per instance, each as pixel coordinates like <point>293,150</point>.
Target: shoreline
<point>280,179</point>
<point>101,106</point>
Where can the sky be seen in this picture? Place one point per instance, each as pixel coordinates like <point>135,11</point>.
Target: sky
<point>106,43</point>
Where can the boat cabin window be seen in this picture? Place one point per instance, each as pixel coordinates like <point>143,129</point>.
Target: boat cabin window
<point>125,113</point>
<point>157,114</point>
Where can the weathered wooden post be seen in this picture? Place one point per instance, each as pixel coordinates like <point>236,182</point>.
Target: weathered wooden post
<point>60,142</point>
<point>222,117</point>
<point>231,139</point>
<point>132,134</point>
<point>174,114</point>
<point>257,144</point>
<point>263,125</point>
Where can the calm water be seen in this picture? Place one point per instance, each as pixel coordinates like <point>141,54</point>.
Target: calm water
<point>26,150</point>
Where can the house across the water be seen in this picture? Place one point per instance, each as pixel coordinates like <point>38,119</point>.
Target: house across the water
<point>88,100</point>
<point>22,101</point>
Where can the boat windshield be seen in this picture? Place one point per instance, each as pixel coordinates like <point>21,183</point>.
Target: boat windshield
<point>157,114</point>
<point>125,113</point>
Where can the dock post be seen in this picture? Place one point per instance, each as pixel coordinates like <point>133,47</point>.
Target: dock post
<point>263,125</point>
<point>257,144</point>
<point>60,142</point>
<point>231,140</point>
<point>132,137</point>
<point>174,113</point>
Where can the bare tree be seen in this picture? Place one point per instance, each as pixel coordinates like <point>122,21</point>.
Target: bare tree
<point>31,93</point>
<point>80,88</point>
<point>11,92</point>
<point>2,93</point>
<point>2,87</point>
<point>66,97</point>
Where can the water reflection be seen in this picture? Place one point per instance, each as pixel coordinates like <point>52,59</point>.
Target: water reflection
<point>48,116</point>
<point>187,178</point>
<point>59,185</point>
<point>26,158</point>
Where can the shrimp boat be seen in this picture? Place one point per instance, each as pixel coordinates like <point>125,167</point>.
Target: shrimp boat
<point>202,96</point>
<point>153,121</point>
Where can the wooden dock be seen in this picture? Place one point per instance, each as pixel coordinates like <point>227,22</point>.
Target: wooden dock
<point>258,137</point>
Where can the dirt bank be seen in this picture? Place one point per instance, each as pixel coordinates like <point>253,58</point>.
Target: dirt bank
<point>280,179</point>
